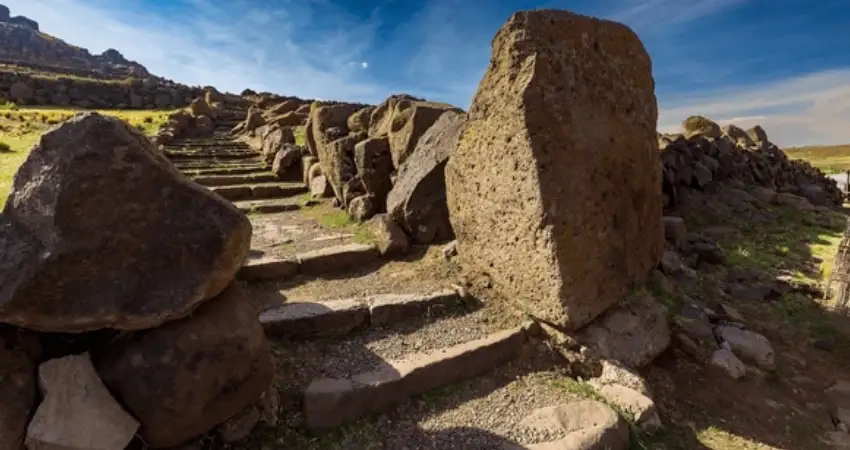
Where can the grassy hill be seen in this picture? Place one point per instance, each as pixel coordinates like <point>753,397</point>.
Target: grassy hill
<point>829,158</point>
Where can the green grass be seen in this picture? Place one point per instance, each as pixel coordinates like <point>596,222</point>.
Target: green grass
<point>20,129</point>
<point>300,136</point>
<point>830,159</point>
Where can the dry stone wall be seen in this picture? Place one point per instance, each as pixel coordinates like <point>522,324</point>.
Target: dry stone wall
<point>706,156</point>
<point>29,89</point>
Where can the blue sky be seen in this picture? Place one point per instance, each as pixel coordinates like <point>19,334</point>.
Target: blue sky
<point>782,63</point>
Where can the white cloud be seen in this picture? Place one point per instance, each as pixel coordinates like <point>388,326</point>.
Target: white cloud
<point>661,14</point>
<point>803,110</point>
<point>211,47</point>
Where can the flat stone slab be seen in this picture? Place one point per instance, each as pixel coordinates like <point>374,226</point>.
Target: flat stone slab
<point>213,170</point>
<point>268,269</point>
<point>315,320</point>
<point>270,206</point>
<point>259,191</point>
<point>336,258</point>
<point>334,318</point>
<point>226,180</point>
<point>331,402</point>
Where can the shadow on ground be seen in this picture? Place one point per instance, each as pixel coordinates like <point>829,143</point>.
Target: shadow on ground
<point>777,263</point>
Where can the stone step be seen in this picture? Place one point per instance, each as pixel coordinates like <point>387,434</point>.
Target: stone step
<point>174,156</point>
<point>268,206</point>
<point>259,191</point>
<point>227,180</point>
<point>205,170</point>
<point>331,402</point>
<point>320,262</point>
<point>336,318</point>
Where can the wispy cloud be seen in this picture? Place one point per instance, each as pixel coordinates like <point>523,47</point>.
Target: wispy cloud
<point>801,110</point>
<point>645,15</point>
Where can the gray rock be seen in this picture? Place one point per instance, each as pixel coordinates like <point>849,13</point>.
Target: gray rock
<point>588,424</point>
<point>78,412</point>
<point>730,363</point>
<point>633,332</point>
<point>747,344</point>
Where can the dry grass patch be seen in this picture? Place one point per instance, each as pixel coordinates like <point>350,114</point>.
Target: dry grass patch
<point>828,158</point>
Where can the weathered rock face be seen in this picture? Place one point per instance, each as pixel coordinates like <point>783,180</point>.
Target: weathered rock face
<point>77,412</point>
<point>417,200</point>
<point>558,167</point>
<point>186,377</point>
<point>374,166</point>
<point>275,140</point>
<point>404,119</point>
<point>19,352</point>
<point>162,247</point>
<point>698,125</point>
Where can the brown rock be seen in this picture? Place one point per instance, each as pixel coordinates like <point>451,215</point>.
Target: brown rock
<point>334,157</point>
<point>253,120</point>
<point>19,352</point>
<point>204,126</point>
<point>360,120</point>
<point>186,377</point>
<point>362,208</point>
<point>77,234</point>
<point>320,187</point>
<point>558,167</point>
<point>283,107</point>
<point>307,164</point>
<point>275,140</point>
<point>757,134</point>
<point>200,107</point>
<point>738,135</point>
<point>411,123</point>
<point>78,412</point>
<point>374,166</point>
<point>21,92</point>
<point>289,119</point>
<point>699,125</point>
<point>389,237</point>
<point>322,119</point>
<point>417,200</point>
<point>285,159</point>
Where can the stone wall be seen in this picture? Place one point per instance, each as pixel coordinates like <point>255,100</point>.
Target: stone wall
<point>28,89</point>
<point>705,156</point>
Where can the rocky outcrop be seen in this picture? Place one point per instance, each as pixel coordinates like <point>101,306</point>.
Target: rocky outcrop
<point>705,157</point>
<point>6,19</point>
<point>57,232</point>
<point>175,401</point>
<point>534,180</point>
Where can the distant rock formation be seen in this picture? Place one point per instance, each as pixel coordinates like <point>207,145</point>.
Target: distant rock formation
<point>5,17</point>
<point>22,44</point>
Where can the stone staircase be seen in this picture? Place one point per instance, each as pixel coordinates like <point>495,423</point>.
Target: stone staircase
<point>360,337</point>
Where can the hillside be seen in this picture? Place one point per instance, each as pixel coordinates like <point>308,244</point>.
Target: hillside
<point>829,158</point>
<point>39,69</point>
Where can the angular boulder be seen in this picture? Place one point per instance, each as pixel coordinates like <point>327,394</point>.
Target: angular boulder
<point>701,126</point>
<point>200,107</point>
<point>337,161</point>
<point>404,119</point>
<point>78,412</point>
<point>417,200</point>
<point>374,165</point>
<point>186,377</point>
<point>285,160</point>
<point>555,187</point>
<point>275,140</point>
<point>19,353</point>
<point>100,231</point>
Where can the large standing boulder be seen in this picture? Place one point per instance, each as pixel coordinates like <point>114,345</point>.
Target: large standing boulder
<point>200,107</point>
<point>417,200</point>
<point>404,119</point>
<point>275,140</point>
<point>186,377</point>
<point>100,231</point>
<point>555,187</point>
<point>374,166</point>
<point>19,353</point>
